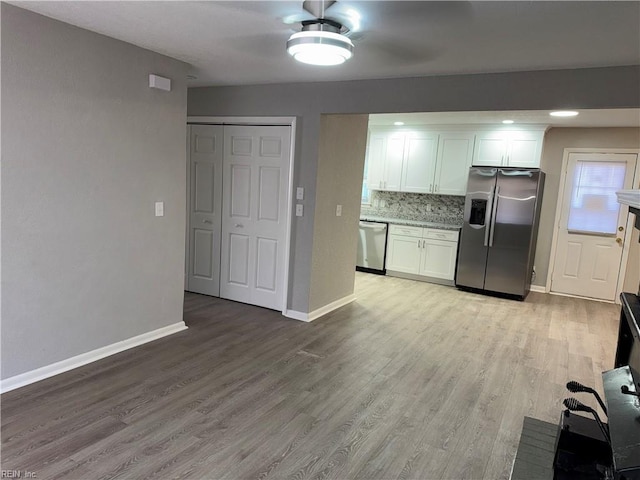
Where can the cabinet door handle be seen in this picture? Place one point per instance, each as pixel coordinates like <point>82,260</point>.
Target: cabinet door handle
<point>436,189</point>
<point>431,187</point>
<point>419,244</point>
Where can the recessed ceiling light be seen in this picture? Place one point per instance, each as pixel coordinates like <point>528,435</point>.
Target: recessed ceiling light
<point>507,122</point>
<point>564,113</point>
<point>398,124</point>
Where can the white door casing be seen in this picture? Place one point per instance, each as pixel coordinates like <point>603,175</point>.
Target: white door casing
<point>205,207</point>
<point>588,246</point>
<point>254,214</point>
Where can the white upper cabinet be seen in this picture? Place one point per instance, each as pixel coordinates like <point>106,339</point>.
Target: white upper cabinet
<point>490,150</point>
<point>508,148</point>
<point>436,160</point>
<point>455,151</point>
<point>394,159</point>
<point>419,162</point>
<point>525,149</point>
<point>402,160</point>
<point>376,152</point>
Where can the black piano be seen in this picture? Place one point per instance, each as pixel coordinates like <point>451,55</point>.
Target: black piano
<point>579,448</point>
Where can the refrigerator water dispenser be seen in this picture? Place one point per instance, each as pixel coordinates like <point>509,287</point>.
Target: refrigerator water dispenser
<point>478,212</point>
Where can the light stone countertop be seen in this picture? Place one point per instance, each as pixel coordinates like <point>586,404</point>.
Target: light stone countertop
<point>412,223</point>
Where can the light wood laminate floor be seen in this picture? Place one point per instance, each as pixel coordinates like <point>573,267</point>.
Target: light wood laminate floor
<point>412,380</point>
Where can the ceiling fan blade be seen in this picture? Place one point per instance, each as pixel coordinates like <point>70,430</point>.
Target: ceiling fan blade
<point>265,45</point>
<point>395,52</point>
<point>295,18</point>
<point>400,11</point>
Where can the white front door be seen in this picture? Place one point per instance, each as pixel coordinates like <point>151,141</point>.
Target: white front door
<point>254,214</point>
<point>205,207</point>
<point>592,225</point>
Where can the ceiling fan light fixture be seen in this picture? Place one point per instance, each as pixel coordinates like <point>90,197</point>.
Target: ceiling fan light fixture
<point>320,47</point>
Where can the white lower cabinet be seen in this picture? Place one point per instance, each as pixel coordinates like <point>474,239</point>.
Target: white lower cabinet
<point>439,259</point>
<point>422,252</point>
<point>404,249</point>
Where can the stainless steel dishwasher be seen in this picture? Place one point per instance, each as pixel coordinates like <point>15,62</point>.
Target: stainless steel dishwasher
<point>372,247</point>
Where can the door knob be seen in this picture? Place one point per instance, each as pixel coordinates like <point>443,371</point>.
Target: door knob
<point>239,225</point>
<point>619,241</point>
<point>207,221</point>
<point>620,229</point>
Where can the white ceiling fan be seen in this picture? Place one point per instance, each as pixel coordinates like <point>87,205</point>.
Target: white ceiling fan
<point>324,38</point>
<point>330,28</point>
<point>375,31</point>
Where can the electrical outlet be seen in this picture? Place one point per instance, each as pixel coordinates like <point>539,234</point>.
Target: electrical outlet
<point>338,210</point>
<point>383,203</point>
<point>299,210</point>
<point>299,193</point>
<point>428,207</point>
<point>159,209</point>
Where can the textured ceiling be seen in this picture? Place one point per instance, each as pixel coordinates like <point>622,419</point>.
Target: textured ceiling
<point>240,42</point>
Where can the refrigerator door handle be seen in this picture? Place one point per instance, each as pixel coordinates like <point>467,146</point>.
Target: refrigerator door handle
<point>487,225</point>
<point>494,208</point>
<point>516,173</point>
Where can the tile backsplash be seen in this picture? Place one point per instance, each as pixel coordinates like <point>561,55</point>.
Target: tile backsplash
<point>415,206</point>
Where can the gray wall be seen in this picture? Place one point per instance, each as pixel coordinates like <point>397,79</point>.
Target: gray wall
<point>581,88</point>
<point>341,154</point>
<point>555,141</point>
<point>87,148</point>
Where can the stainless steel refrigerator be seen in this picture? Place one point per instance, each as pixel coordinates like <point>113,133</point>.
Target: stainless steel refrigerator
<point>498,238</point>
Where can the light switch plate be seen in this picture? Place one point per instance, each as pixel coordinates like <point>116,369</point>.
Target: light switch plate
<point>159,209</point>
<point>299,193</point>
<point>299,210</point>
<point>338,210</point>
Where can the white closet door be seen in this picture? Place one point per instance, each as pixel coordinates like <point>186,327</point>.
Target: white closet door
<point>205,208</point>
<point>254,214</point>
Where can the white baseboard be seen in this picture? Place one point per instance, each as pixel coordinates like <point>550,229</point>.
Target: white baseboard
<point>295,315</point>
<point>538,289</point>
<point>559,294</point>
<point>311,316</point>
<point>62,366</point>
